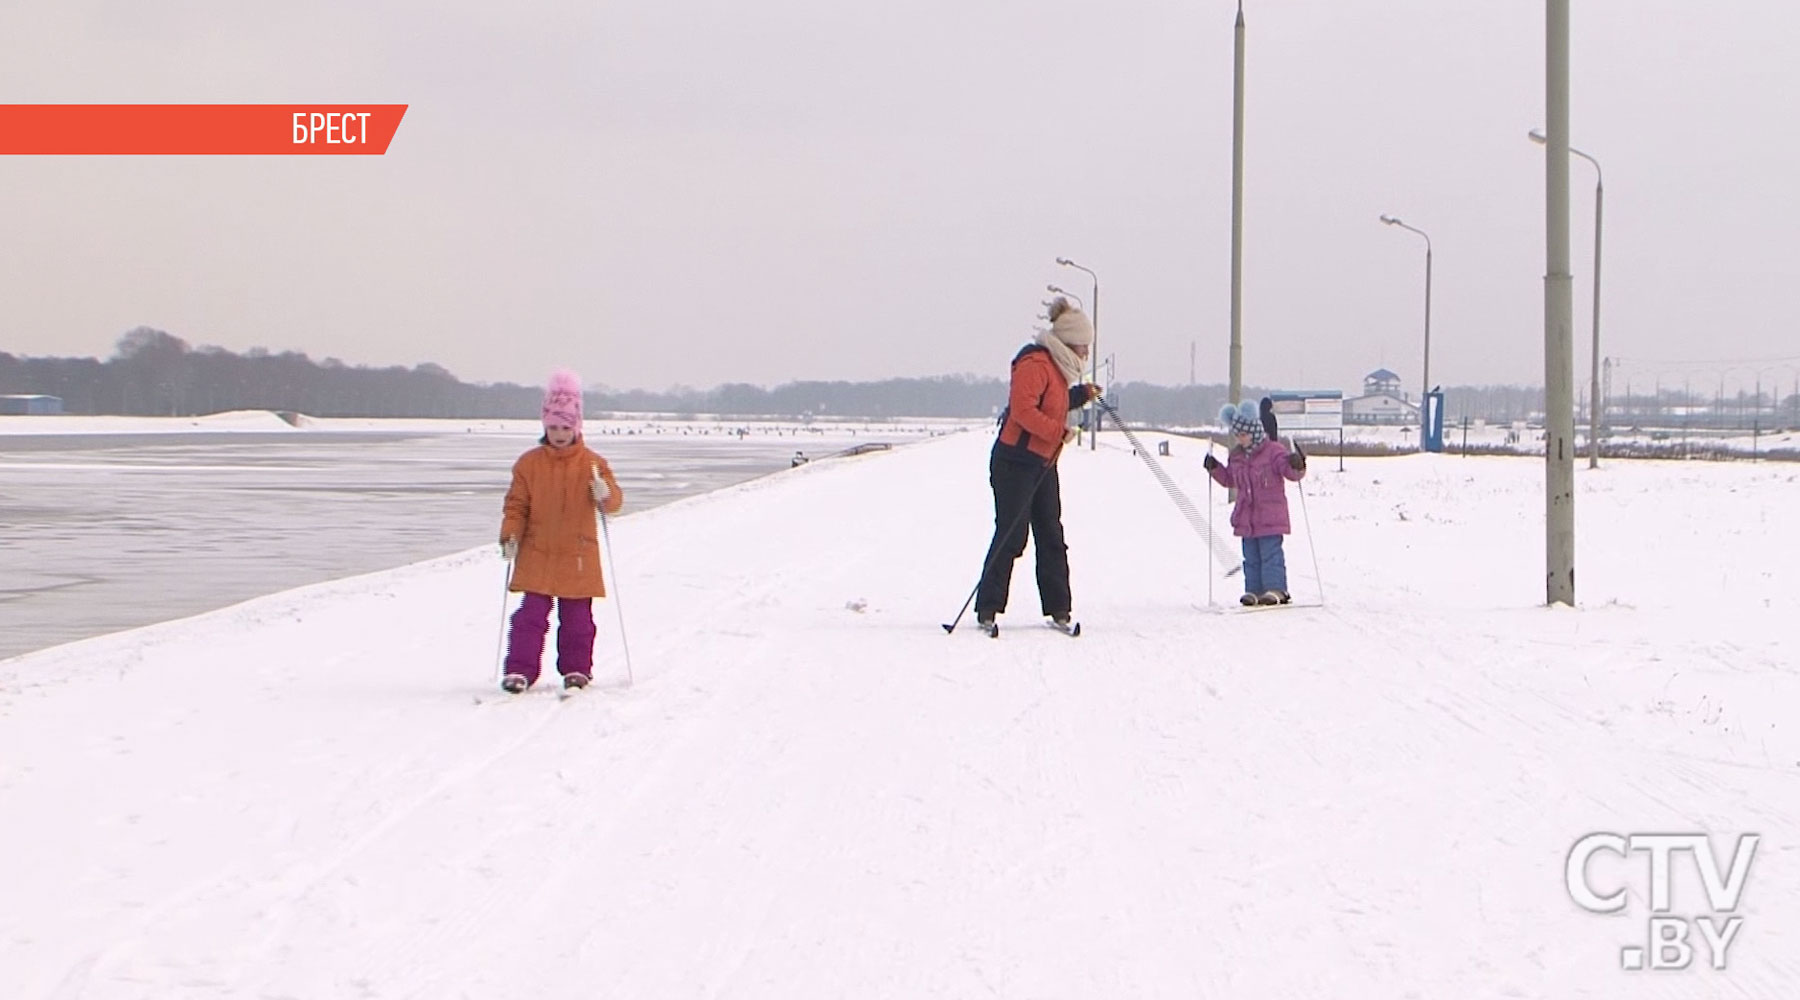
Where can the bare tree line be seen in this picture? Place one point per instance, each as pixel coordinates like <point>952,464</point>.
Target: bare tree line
<point>153,373</point>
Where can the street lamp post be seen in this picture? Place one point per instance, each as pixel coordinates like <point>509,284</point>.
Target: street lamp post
<point>1237,212</point>
<point>1795,402</point>
<point>1094,350</point>
<point>1775,399</point>
<point>1559,354</point>
<point>1425,374</point>
<point>1059,290</point>
<point>1596,413</point>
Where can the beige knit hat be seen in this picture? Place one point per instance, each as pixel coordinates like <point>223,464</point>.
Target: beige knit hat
<point>1070,325</point>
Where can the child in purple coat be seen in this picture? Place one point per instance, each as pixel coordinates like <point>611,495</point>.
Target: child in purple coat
<point>1258,467</point>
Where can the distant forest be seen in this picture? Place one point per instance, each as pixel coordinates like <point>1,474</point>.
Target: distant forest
<point>153,373</point>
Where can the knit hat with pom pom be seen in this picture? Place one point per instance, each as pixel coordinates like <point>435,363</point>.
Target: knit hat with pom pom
<point>562,400</point>
<point>1243,418</point>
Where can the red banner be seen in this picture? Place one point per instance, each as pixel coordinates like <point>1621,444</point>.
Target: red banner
<point>198,129</point>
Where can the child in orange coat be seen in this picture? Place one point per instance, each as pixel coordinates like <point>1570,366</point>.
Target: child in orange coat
<point>550,535</point>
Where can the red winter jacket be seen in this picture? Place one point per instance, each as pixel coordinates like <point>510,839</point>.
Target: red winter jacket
<point>1037,407</point>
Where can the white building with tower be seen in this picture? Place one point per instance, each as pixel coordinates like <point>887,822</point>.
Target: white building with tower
<point>1382,402</point>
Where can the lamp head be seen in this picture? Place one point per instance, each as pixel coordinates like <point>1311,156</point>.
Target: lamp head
<point>1390,220</point>
<point>1537,135</point>
<point>1064,261</point>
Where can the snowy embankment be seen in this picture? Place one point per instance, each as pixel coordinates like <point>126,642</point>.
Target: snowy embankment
<point>812,791</point>
<point>233,421</point>
<point>267,421</point>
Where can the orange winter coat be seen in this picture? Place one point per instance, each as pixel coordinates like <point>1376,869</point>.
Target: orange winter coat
<point>550,510</point>
<point>1037,406</point>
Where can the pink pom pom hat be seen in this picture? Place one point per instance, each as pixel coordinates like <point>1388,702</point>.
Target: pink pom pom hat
<point>562,400</point>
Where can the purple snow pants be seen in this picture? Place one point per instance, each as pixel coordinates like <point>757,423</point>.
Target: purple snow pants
<point>574,636</point>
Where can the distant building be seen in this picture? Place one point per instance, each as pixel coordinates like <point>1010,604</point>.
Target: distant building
<point>33,405</point>
<point>1379,409</point>
<point>1382,402</point>
<point>1381,381</point>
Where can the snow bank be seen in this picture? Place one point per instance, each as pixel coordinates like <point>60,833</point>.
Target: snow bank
<point>268,420</point>
<point>236,420</point>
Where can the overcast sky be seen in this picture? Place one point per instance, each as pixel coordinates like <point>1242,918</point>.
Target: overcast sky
<point>700,191</point>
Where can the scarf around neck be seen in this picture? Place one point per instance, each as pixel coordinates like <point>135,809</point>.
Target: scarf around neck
<point>1070,365</point>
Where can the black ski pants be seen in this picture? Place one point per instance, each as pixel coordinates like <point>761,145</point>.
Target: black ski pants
<point>1027,502</point>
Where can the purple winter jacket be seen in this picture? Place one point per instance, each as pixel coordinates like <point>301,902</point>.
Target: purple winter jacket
<point>1262,507</point>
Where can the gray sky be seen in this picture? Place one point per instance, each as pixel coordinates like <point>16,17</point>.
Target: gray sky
<point>698,191</point>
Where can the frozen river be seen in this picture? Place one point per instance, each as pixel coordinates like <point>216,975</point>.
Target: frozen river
<point>101,532</point>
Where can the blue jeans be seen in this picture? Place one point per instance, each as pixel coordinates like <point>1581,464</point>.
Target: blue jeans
<point>1265,565</point>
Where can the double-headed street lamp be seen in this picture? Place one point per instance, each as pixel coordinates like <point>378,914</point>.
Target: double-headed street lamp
<point>1094,349</point>
<point>1597,408</point>
<point>1059,290</point>
<point>1425,374</point>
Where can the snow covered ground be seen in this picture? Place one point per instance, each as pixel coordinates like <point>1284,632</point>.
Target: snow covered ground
<point>811,791</point>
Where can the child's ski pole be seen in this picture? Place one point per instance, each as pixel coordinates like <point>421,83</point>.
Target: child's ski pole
<point>500,651</point>
<point>612,570</point>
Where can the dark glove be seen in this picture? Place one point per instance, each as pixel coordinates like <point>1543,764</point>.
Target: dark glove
<point>1297,462</point>
<point>1210,462</point>
<point>509,549</point>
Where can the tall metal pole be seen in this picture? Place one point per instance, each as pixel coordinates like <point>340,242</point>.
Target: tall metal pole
<point>1237,211</point>
<point>1425,371</point>
<point>1597,401</point>
<point>1559,352</point>
<point>1094,412</point>
<point>1425,367</point>
<point>1597,410</point>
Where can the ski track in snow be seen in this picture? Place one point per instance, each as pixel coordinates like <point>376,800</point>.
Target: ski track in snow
<point>320,794</point>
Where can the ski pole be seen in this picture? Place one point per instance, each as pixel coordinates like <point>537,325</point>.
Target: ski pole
<point>1307,517</point>
<point>612,569</point>
<point>994,548</point>
<point>500,651</point>
<point>619,606</point>
<point>1202,525</point>
<point>1209,516</point>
